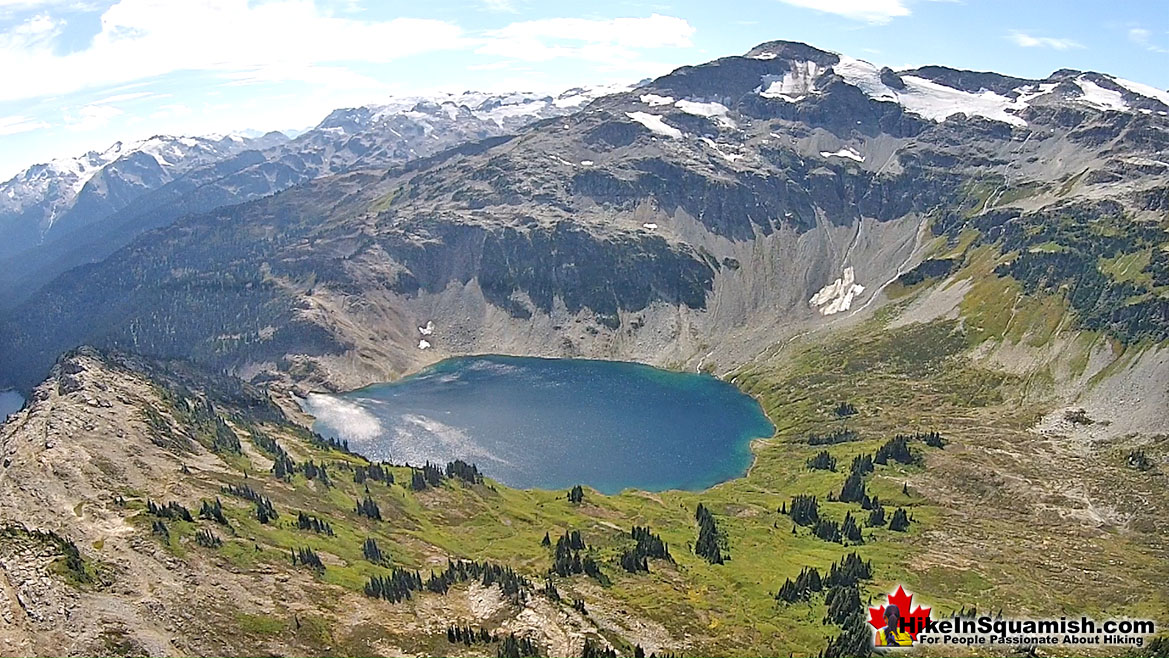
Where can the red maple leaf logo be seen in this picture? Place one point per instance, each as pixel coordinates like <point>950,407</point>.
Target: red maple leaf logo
<point>913,622</point>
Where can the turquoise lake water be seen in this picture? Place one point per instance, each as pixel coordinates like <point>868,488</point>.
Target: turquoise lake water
<point>554,423</point>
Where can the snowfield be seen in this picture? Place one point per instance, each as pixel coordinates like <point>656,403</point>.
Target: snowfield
<point>654,123</point>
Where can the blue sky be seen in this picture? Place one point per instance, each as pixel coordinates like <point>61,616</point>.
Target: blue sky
<point>80,74</point>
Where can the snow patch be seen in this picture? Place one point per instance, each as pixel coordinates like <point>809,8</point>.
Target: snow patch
<point>1099,97</point>
<point>428,329</point>
<point>653,100</point>
<point>843,153</point>
<point>794,85</point>
<point>716,111</point>
<point>838,295</point>
<point>927,98</point>
<point>654,123</point>
<point>764,56</point>
<point>424,344</point>
<point>649,226</point>
<point>1147,91</point>
<point>586,163</point>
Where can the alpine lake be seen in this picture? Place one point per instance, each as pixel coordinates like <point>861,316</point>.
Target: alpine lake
<point>554,423</point>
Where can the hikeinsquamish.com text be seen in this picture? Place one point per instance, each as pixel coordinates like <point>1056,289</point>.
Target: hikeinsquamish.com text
<point>986,630</point>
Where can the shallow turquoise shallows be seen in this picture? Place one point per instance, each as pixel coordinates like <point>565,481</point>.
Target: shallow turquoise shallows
<point>554,423</point>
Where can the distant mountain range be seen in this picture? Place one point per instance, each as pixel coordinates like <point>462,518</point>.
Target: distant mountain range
<point>72,211</point>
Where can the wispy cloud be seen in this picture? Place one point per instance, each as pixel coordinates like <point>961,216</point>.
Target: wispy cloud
<point>507,6</point>
<point>141,39</point>
<point>91,117</point>
<point>1144,38</point>
<point>877,12</point>
<point>1025,40</point>
<point>20,124</point>
<point>613,41</point>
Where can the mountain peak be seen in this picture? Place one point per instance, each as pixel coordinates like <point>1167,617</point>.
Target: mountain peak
<point>792,50</point>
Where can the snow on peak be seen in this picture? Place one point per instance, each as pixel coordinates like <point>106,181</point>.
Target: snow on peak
<point>838,295</point>
<point>654,123</point>
<point>794,84</point>
<point>1099,97</point>
<point>929,99</point>
<point>1147,91</point>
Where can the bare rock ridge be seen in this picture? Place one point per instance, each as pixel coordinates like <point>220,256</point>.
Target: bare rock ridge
<point>83,573</point>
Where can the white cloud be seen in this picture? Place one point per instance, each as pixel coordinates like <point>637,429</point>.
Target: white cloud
<point>20,124</point>
<point>1025,40</point>
<point>91,117</point>
<point>145,38</point>
<point>613,41</point>
<point>1144,39</point>
<point>507,6</point>
<point>870,11</point>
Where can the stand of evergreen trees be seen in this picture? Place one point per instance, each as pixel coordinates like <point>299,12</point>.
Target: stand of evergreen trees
<point>549,590</point>
<point>832,438</point>
<point>896,449</point>
<point>804,510</point>
<point>213,512</point>
<point>468,473</point>
<point>710,541</point>
<point>207,539</point>
<point>368,508</point>
<point>849,571</point>
<point>224,440</point>
<point>265,511</point>
<point>844,410</point>
<point>329,443</point>
<point>862,464</point>
<point>576,495</point>
<point>399,584</point>
<point>373,553</point>
<point>802,588</point>
<point>467,635</point>
<point>593,649</point>
<point>157,527</point>
<point>430,475</point>
<point>376,472</point>
<point>307,557</point>
<point>309,522</point>
<point>567,559</point>
<point>900,521</point>
<point>314,471</point>
<point>648,545</point>
<point>822,462</point>
<point>827,530</point>
<point>282,464</point>
<point>853,489</point>
<point>171,510</point>
<point>854,641</point>
<point>517,647</point>
<point>932,439</point>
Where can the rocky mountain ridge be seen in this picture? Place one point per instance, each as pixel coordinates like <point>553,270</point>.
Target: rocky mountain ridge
<point>695,221</point>
<point>90,206</point>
